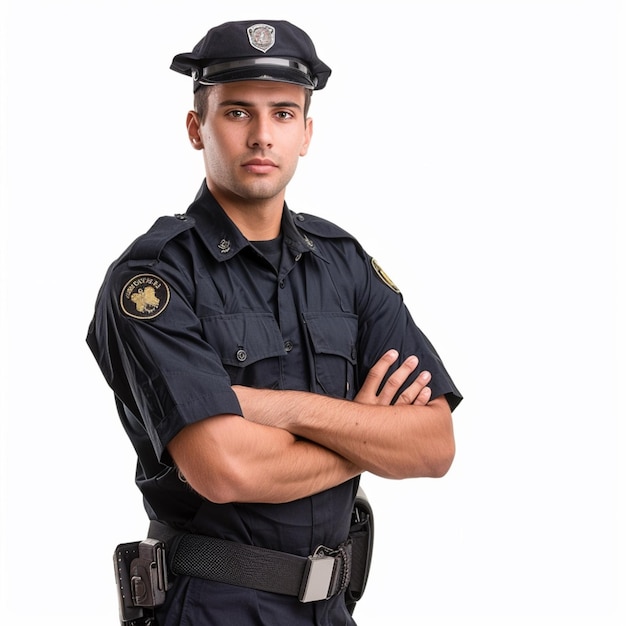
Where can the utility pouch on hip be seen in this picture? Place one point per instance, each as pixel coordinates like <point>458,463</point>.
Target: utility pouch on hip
<point>362,537</point>
<point>141,575</point>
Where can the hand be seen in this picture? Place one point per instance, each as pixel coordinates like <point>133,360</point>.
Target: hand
<point>416,393</point>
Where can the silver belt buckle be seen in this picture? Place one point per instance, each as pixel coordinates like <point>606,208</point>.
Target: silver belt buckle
<point>318,575</point>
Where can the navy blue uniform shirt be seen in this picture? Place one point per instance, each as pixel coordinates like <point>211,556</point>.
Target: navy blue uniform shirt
<point>191,308</point>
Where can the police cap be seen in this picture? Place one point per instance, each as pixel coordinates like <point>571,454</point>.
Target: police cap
<point>254,50</point>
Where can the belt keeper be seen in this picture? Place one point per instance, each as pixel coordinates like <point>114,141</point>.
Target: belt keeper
<point>327,573</point>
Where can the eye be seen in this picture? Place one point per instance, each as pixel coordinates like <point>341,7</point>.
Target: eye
<point>284,115</point>
<point>237,114</point>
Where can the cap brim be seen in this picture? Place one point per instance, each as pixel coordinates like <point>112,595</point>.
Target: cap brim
<point>281,75</point>
<point>270,69</point>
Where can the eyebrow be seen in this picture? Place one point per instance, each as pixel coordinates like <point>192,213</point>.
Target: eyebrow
<point>274,105</point>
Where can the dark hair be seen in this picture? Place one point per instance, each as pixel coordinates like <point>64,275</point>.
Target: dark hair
<point>201,99</point>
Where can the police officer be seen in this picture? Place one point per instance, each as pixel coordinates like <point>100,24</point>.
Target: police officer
<point>260,359</point>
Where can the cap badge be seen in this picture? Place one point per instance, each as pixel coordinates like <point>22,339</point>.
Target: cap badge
<point>262,36</point>
<point>144,297</point>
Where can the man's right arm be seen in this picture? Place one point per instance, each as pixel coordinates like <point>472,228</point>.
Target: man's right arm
<point>229,459</point>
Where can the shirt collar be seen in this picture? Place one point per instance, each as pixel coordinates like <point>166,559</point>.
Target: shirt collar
<point>222,237</point>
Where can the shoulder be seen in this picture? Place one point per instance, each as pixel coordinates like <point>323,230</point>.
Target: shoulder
<point>143,256</point>
<point>331,240</point>
<point>321,227</point>
<point>348,251</point>
<point>138,283</point>
<point>147,248</point>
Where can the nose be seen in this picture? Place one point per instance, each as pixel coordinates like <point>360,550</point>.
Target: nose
<point>260,133</point>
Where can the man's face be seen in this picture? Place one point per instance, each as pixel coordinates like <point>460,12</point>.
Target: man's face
<point>253,136</point>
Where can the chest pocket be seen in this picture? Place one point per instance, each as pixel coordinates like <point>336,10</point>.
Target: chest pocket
<point>333,338</point>
<point>242,342</point>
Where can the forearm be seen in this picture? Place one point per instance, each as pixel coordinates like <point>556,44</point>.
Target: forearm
<point>229,459</point>
<point>398,441</point>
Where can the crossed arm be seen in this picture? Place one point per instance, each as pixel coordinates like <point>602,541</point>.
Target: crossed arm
<point>293,444</point>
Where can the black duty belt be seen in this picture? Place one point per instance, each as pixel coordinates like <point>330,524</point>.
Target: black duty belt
<point>142,567</point>
<point>320,576</point>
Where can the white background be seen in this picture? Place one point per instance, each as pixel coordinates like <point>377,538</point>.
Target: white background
<point>473,148</point>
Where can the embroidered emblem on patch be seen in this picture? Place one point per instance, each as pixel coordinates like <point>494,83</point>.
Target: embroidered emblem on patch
<point>262,36</point>
<point>144,297</point>
<point>381,274</point>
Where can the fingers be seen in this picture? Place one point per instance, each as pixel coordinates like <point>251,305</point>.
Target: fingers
<point>368,392</point>
<point>417,392</point>
<point>397,379</point>
<point>423,396</point>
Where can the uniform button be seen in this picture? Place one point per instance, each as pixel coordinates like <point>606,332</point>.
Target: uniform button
<point>288,346</point>
<point>298,256</point>
<point>281,284</point>
<point>242,355</point>
<point>300,218</point>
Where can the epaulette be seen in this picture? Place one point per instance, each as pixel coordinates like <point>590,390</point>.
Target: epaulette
<point>147,248</point>
<point>319,226</point>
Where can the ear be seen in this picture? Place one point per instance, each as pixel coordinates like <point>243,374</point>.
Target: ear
<point>308,134</point>
<point>193,130</point>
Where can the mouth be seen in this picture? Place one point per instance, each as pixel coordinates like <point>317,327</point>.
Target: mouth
<point>259,166</point>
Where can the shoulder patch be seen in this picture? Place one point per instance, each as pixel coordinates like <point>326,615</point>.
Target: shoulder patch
<point>144,297</point>
<point>383,276</point>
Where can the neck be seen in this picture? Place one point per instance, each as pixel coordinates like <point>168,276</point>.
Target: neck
<point>257,230</point>
<point>257,219</point>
